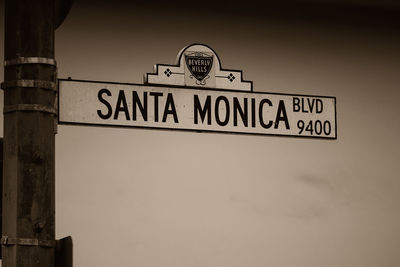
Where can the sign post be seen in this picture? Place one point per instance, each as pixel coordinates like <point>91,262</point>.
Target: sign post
<point>30,93</point>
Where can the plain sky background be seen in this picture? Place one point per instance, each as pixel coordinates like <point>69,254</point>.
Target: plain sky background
<point>134,197</point>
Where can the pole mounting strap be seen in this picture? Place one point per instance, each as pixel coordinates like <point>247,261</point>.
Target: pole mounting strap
<point>30,60</point>
<point>29,107</point>
<point>9,241</point>
<point>46,85</point>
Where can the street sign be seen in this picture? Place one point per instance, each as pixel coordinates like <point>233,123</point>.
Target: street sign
<point>196,95</point>
<point>167,107</point>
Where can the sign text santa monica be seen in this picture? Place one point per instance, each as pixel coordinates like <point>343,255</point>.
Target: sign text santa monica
<point>212,110</point>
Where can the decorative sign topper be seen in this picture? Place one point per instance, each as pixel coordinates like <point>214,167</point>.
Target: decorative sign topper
<point>196,94</point>
<point>198,66</point>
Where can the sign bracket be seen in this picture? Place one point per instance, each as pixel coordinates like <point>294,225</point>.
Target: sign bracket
<point>16,241</point>
<point>45,85</point>
<point>30,60</point>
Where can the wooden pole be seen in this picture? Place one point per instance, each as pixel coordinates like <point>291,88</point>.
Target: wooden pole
<point>29,134</point>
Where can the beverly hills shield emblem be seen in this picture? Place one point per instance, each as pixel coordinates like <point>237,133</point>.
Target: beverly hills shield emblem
<point>199,65</point>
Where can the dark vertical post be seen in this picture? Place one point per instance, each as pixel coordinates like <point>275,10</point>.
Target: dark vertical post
<point>64,253</point>
<point>1,186</point>
<point>29,134</point>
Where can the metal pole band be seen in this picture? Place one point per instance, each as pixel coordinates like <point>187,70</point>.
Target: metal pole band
<point>8,241</point>
<point>30,60</point>
<point>29,107</point>
<point>47,85</point>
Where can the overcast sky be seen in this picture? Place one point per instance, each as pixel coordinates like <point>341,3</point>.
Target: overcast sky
<point>134,197</point>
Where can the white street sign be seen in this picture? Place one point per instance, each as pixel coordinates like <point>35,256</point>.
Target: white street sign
<point>196,109</point>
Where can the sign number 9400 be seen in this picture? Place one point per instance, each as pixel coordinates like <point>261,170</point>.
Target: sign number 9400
<point>315,127</point>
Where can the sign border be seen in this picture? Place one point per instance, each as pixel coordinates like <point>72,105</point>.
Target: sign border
<point>192,130</point>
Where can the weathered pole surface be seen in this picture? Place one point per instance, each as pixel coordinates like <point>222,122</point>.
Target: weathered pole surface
<point>1,185</point>
<point>29,134</point>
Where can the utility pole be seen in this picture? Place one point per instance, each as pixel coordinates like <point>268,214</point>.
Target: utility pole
<point>30,93</point>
